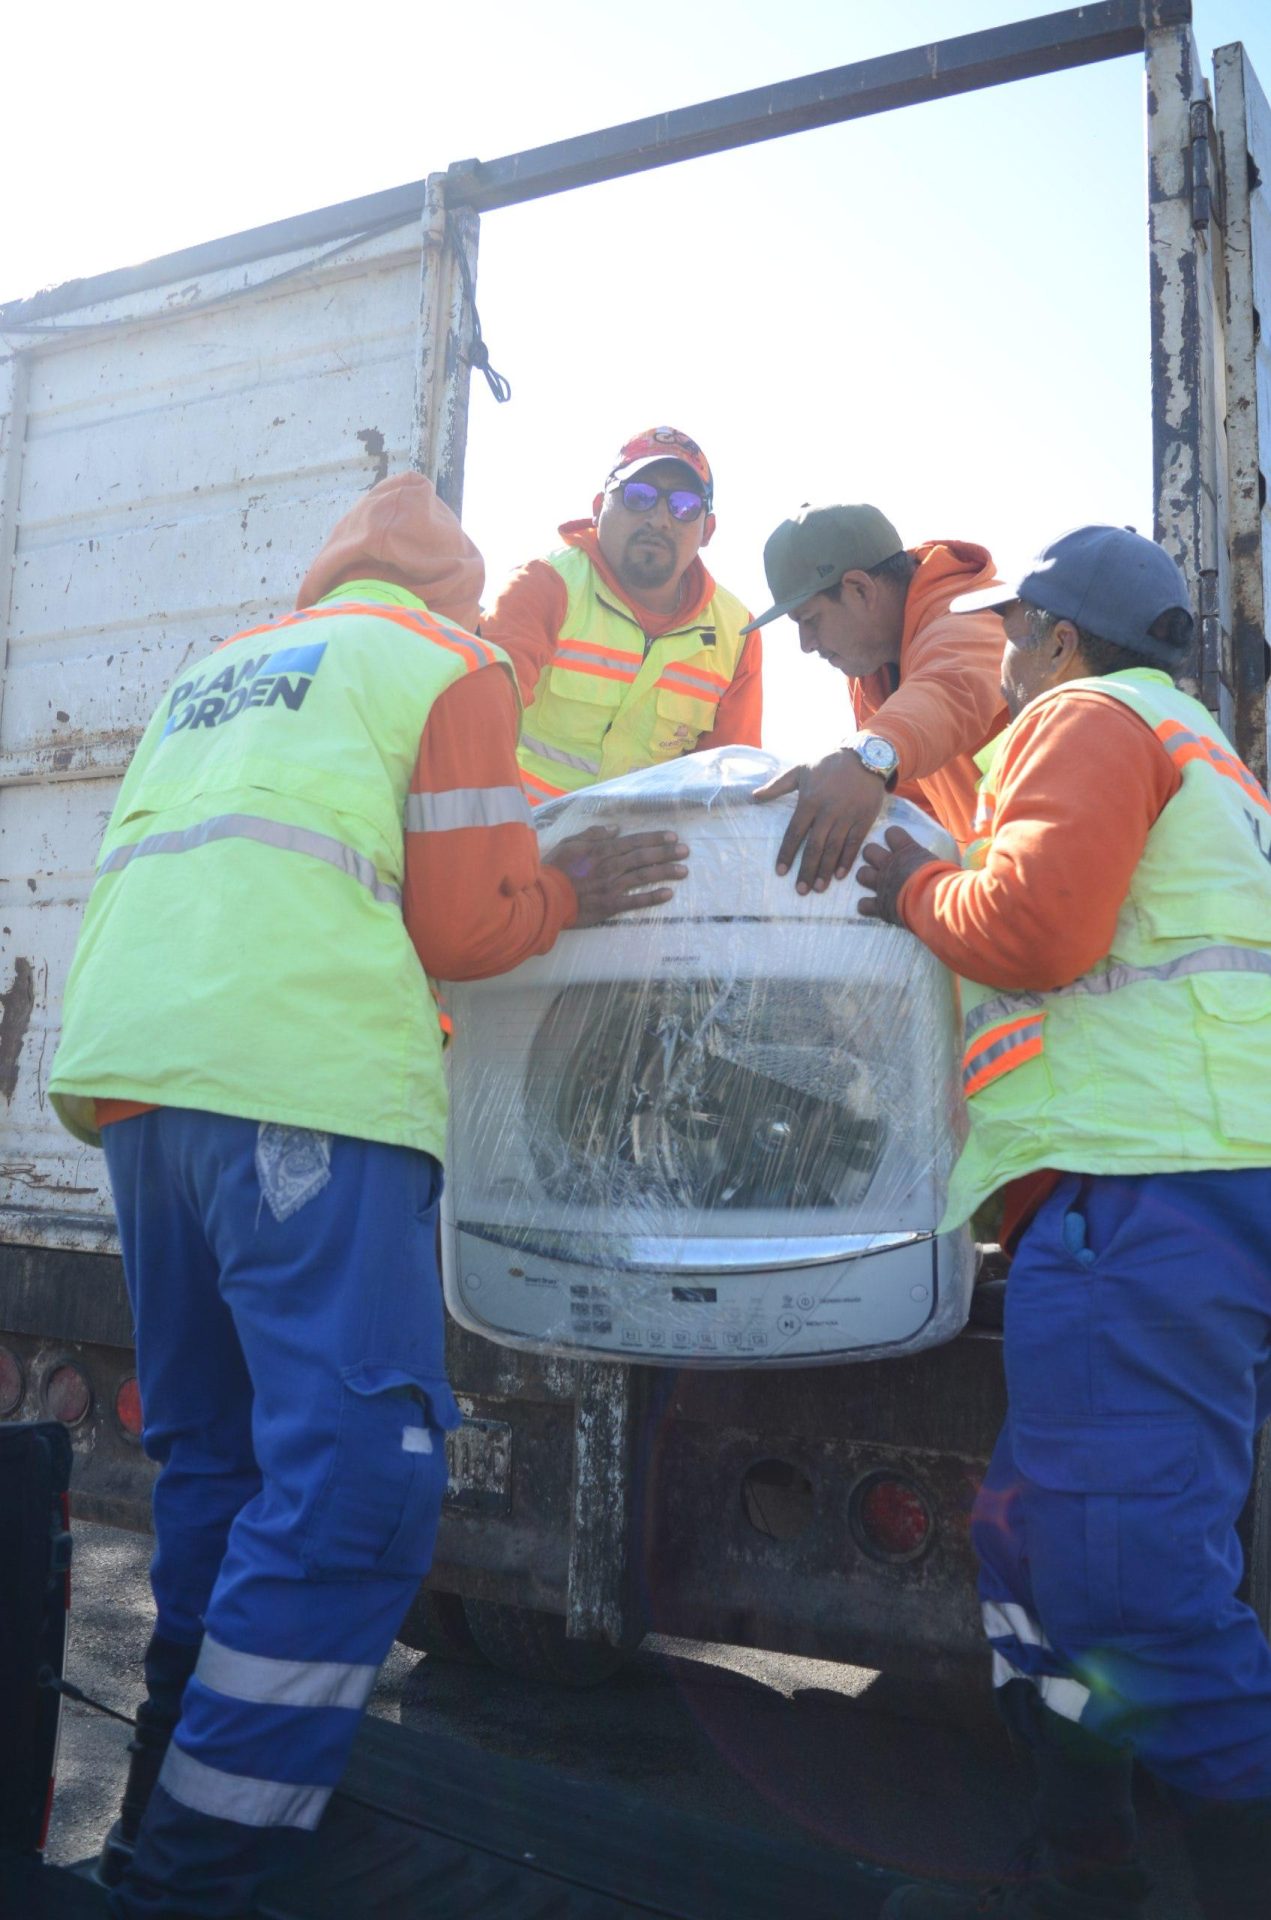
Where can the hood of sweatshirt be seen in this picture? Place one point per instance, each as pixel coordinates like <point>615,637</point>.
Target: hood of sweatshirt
<point>402,533</point>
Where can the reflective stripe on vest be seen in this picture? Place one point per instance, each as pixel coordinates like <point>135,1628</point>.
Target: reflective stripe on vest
<point>1218,959</point>
<point>242,1797</point>
<point>267,1682</point>
<point>466,807</point>
<point>465,646</point>
<point>701,681</point>
<point>605,663</point>
<point>1000,1050</point>
<point>270,833</point>
<point>1183,745</point>
<point>538,790</point>
<point>558,754</point>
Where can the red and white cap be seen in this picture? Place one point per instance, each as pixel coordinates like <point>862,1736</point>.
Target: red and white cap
<point>663,443</point>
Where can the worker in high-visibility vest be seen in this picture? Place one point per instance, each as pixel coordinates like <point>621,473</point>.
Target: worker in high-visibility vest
<point>923,684</point>
<point>1112,928</point>
<point>626,651</point>
<point>322,813</point>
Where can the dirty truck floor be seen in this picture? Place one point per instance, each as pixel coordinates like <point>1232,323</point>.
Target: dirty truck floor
<point>431,1828</point>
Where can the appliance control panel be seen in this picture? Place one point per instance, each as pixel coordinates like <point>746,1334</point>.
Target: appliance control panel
<point>791,1315</point>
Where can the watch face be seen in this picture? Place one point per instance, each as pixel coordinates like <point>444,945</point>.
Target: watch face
<point>879,755</point>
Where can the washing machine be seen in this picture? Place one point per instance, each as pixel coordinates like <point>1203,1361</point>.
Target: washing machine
<point>712,1133</point>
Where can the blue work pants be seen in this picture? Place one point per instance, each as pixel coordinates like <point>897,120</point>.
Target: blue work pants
<point>1138,1363</point>
<point>290,1360</point>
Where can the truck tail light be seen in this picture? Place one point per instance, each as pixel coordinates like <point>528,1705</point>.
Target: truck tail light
<point>128,1407</point>
<point>67,1394</point>
<point>12,1384</point>
<point>890,1517</point>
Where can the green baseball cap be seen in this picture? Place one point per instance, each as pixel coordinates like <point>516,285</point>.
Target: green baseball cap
<point>814,550</point>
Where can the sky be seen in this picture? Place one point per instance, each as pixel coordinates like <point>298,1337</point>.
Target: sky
<point>943,309</point>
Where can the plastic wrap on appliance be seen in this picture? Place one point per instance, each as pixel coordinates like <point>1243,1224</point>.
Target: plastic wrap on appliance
<point>717,1131</point>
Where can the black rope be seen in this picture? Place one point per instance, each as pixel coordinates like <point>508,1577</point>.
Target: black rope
<point>478,353</point>
<point>55,1684</point>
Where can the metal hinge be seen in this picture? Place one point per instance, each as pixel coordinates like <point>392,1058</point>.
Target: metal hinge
<point>1205,168</point>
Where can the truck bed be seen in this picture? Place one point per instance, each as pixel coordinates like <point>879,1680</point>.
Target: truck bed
<point>429,1827</point>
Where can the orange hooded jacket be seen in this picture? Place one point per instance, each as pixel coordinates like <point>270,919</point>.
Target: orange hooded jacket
<point>947,703</point>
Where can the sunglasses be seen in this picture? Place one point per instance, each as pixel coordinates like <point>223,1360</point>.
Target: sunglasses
<point>641,496</point>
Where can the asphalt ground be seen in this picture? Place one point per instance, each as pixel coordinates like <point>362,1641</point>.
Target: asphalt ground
<point>851,1761</point>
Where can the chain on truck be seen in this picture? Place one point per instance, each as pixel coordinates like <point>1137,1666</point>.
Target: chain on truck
<point>776,1510</point>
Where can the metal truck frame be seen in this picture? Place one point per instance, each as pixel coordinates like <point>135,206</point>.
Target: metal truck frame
<point>592,1502</point>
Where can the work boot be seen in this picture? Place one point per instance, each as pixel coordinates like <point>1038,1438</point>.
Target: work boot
<point>1083,1863</point>
<point>169,1664</point>
<point>1229,1845</point>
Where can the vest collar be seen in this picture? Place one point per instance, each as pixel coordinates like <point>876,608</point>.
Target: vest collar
<point>381,590</point>
<point>697,588</point>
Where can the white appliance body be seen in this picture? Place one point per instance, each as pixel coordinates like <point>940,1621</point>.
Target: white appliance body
<point>715,1133</point>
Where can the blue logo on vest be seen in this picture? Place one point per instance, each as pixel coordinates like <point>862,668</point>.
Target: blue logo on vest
<point>281,678</point>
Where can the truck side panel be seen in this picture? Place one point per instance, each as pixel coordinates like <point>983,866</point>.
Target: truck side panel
<point>171,460</point>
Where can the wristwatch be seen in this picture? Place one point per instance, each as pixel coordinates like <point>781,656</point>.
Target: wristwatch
<point>876,755</point>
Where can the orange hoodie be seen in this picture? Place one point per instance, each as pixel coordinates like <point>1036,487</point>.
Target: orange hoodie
<point>475,900</point>
<point>527,617</point>
<point>947,703</point>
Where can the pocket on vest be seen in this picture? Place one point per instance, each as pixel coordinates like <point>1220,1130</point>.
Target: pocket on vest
<point>682,720</point>
<point>586,689</point>
<point>1232,1019</point>
<point>574,711</point>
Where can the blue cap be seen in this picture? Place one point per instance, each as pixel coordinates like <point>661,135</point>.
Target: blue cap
<point>1109,581</point>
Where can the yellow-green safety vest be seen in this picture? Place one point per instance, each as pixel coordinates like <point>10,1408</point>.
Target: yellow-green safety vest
<point>612,700</point>
<point>243,950</point>
<point>1158,1059</point>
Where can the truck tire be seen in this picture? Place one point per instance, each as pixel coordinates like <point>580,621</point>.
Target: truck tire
<point>438,1626</point>
<point>533,1646</point>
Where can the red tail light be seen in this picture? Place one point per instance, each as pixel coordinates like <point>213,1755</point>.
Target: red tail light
<point>47,1814</point>
<point>890,1517</point>
<point>11,1383</point>
<point>128,1407</point>
<point>67,1395</point>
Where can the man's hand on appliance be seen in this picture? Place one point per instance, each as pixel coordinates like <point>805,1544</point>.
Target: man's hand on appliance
<point>614,873</point>
<point>838,803</point>
<point>885,871</point>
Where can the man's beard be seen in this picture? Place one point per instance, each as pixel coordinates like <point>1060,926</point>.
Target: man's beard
<point>648,563</point>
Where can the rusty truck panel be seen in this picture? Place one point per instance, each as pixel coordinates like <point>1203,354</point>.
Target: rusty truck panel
<point>172,456</point>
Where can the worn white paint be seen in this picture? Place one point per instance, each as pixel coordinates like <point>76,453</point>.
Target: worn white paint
<point>1187,343</point>
<point>170,462</point>
<point>1244,125</point>
<point>440,426</point>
